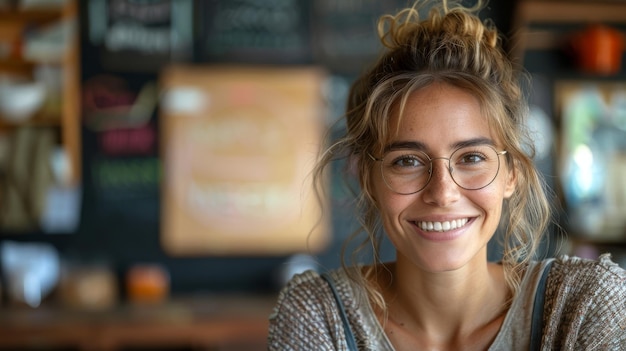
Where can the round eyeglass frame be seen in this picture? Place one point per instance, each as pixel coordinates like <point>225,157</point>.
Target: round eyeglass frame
<point>430,170</point>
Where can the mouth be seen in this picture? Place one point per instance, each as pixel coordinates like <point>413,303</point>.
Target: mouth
<point>442,226</point>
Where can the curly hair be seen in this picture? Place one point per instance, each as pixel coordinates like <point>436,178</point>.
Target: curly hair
<point>451,45</point>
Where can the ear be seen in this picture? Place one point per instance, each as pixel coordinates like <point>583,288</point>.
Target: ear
<point>511,182</point>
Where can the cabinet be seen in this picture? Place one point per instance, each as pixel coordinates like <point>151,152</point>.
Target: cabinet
<point>56,57</point>
<point>587,111</point>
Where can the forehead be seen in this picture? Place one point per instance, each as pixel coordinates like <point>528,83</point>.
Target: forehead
<point>439,115</point>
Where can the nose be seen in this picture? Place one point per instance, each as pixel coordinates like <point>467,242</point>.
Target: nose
<point>441,190</point>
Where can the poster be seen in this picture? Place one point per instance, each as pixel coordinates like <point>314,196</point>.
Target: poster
<point>238,145</point>
<point>592,157</point>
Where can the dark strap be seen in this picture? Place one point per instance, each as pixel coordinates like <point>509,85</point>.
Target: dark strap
<point>536,328</point>
<point>342,312</point>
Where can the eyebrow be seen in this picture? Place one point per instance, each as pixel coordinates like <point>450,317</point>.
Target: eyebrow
<point>417,145</point>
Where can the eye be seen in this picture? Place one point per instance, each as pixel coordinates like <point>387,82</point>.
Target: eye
<point>406,161</point>
<point>473,157</point>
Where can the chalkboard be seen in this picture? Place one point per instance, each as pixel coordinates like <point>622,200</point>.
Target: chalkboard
<point>141,36</point>
<point>345,37</point>
<point>254,31</point>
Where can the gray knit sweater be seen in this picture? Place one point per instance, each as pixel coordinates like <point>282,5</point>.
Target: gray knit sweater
<point>585,309</point>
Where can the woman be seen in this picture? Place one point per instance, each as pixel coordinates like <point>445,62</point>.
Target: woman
<point>435,130</point>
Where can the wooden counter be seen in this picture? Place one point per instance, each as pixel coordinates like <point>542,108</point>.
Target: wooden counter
<point>207,323</point>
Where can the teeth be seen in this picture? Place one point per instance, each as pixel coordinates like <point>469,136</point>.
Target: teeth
<point>442,226</point>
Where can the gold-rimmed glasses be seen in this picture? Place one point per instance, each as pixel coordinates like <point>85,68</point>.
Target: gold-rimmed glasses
<point>407,171</point>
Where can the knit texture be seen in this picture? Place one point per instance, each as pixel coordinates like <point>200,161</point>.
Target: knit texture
<point>585,306</point>
<point>585,309</point>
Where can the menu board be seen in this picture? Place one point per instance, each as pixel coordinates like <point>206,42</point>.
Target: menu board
<point>254,31</point>
<point>140,36</point>
<point>238,145</point>
<point>345,37</point>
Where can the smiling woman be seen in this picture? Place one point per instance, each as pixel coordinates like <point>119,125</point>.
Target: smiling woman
<point>436,131</point>
<point>469,186</point>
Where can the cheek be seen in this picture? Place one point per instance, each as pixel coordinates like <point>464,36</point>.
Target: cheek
<point>391,207</point>
<point>388,203</point>
<point>491,198</point>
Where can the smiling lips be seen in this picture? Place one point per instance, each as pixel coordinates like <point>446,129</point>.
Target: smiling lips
<point>442,226</point>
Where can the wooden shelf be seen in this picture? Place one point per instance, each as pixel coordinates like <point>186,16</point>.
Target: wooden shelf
<point>68,118</point>
<point>208,321</point>
<point>37,15</point>
<point>22,64</point>
<point>537,11</point>
<point>555,12</point>
<point>13,64</point>
<point>61,111</point>
<point>39,120</point>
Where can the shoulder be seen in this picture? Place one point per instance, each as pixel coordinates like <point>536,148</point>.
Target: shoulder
<point>302,283</point>
<point>595,284</point>
<point>309,292</point>
<point>583,274</point>
<point>585,305</point>
<point>305,314</point>
<point>304,293</point>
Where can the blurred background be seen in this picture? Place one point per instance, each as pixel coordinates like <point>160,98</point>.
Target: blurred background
<point>154,156</point>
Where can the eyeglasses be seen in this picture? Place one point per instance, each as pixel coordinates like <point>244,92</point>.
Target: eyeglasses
<point>408,171</point>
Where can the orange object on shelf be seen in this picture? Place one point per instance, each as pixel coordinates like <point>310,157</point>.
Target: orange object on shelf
<point>599,49</point>
<point>147,283</point>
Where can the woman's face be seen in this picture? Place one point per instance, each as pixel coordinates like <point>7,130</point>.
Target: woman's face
<point>436,120</point>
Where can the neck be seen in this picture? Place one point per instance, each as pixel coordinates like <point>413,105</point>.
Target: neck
<point>447,305</point>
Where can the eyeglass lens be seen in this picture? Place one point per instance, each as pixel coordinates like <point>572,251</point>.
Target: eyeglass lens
<point>408,171</point>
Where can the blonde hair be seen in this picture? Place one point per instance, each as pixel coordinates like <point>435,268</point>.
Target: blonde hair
<point>452,45</point>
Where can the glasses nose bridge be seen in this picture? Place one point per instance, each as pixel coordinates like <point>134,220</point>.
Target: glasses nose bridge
<point>448,165</point>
